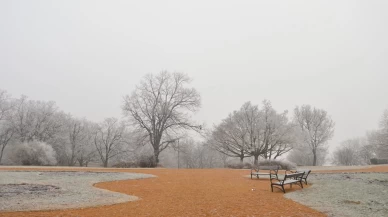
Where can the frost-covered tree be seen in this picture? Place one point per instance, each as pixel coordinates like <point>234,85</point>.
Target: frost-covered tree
<point>109,139</point>
<point>6,129</point>
<point>316,128</point>
<point>161,107</point>
<point>302,155</point>
<point>252,131</point>
<point>36,120</point>
<point>80,141</point>
<point>379,138</point>
<point>349,153</point>
<point>229,137</point>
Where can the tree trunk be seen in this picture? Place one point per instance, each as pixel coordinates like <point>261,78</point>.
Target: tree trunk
<point>314,158</point>
<point>106,162</point>
<point>81,162</point>
<point>156,155</point>
<point>72,159</point>
<point>256,162</point>
<point>241,159</point>
<point>2,152</point>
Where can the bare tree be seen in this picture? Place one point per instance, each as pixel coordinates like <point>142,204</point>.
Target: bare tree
<point>6,134</point>
<point>378,139</point>
<point>78,138</point>
<point>194,154</point>
<point>383,147</point>
<point>275,134</point>
<point>5,104</point>
<point>316,128</point>
<point>302,155</point>
<point>355,151</point>
<point>87,151</point>
<point>36,120</point>
<point>160,107</point>
<point>229,137</point>
<point>254,132</point>
<point>348,154</point>
<point>109,139</point>
<point>6,129</point>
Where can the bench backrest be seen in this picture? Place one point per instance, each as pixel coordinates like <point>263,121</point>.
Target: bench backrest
<point>294,175</point>
<point>275,168</point>
<point>306,172</point>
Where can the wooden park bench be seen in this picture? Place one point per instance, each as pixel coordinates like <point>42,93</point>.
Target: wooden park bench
<point>271,171</point>
<point>289,179</point>
<point>306,174</point>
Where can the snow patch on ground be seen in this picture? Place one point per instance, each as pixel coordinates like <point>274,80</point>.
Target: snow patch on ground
<point>27,191</point>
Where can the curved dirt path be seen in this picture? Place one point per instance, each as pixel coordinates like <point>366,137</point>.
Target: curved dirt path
<point>208,192</point>
<point>218,192</point>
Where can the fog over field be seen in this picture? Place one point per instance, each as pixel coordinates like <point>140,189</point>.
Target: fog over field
<point>87,55</point>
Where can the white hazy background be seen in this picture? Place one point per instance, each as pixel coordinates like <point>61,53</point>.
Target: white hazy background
<point>86,55</point>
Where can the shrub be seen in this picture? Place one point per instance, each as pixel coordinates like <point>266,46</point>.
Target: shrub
<point>33,153</point>
<point>123,164</point>
<point>378,161</point>
<point>235,165</point>
<point>282,164</point>
<point>247,166</point>
<point>147,161</point>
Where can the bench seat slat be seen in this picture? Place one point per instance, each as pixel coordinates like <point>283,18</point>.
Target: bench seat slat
<point>263,173</point>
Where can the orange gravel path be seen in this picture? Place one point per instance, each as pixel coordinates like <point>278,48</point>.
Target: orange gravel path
<point>208,192</point>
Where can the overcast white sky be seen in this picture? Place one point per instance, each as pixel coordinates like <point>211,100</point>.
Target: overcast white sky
<point>86,55</point>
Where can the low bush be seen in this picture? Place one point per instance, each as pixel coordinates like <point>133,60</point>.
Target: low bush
<point>147,161</point>
<point>125,165</point>
<point>239,165</point>
<point>282,164</point>
<point>235,165</point>
<point>378,161</point>
<point>144,161</point>
<point>247,166</point>
<point>33,153</point>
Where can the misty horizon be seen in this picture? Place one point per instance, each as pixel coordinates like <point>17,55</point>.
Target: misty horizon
<point>86,56</point>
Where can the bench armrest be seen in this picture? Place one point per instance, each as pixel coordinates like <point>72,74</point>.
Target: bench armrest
<point>274,178</point>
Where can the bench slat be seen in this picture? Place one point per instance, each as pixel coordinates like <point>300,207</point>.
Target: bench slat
<point>288,179</point>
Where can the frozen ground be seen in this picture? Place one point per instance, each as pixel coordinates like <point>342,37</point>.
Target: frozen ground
<point>21,191</point>
<point>346,194</point>
<point>320,168</point>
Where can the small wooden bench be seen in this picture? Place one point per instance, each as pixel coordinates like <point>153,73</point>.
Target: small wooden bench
<point>289,179</point>
<point>306,174</point>
<point>271,171</point>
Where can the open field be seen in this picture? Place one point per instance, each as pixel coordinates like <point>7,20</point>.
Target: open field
<point>32,190</point>
<point>208,192</point>
<point>346,194</point>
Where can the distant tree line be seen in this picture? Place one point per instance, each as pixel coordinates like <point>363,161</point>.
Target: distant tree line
<point>370,149</point>
<point>157,113</point>
<point>264,133</point>
<point>38,133</point>
<point>157,126</point>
